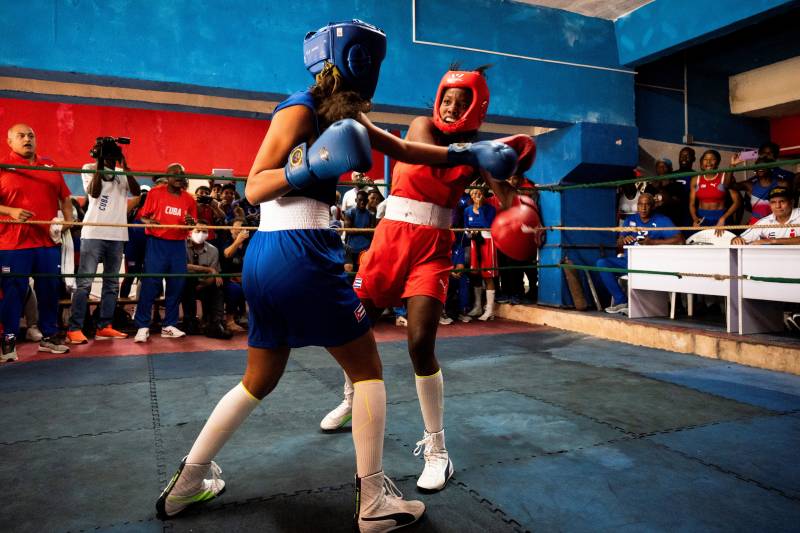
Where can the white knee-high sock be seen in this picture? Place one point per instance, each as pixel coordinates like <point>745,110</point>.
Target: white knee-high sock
<point>226,418</point>
<point>430,390</point>
<point>369,422</point>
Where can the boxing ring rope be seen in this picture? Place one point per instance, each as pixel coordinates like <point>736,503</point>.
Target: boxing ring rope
<point>546,187</point>
<point>549,188</point>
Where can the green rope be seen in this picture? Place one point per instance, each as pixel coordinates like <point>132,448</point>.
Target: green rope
<point>550,188</point>
<point>112,275</point>
<point>672,176</point>
<point>142,174</point>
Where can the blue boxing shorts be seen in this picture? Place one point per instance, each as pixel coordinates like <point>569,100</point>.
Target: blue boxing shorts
<point>297,291</point>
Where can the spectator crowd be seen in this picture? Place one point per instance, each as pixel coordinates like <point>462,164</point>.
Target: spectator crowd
<point>162,255</point>
<point>706,201</point>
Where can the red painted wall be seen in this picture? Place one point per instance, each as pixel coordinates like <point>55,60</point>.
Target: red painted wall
<point>786,132</point>
<point>65,132</point>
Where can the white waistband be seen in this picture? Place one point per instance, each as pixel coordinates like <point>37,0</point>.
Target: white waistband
<point>295,212</point>
<point>416,212</point>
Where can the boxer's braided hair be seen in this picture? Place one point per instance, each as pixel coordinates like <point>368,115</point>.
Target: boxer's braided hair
<point>334,101</point>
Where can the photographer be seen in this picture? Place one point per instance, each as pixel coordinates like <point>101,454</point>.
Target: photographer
<point>107,196</point>
<point>208,209</point>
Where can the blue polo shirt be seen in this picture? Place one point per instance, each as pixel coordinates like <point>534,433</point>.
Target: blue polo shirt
<point>657,220</point>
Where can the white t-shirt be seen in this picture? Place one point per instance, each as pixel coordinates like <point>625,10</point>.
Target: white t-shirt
<point>755,233</point>
<point>349,199</point>
<point>111,206</point>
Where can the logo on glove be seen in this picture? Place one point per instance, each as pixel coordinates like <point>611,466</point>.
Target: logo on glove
<point>296,157</point>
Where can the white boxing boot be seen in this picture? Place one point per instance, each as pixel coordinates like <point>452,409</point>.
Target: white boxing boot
<point>342,414</point>
<point>438,466</point>
<point>488,314</point>
<point>189,486</point>
<point>477,308</point>
<point>380,505</point>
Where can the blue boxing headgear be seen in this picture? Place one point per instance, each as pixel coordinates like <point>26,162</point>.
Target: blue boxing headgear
<point>355,48</point>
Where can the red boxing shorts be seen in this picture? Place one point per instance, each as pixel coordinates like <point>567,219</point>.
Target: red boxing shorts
<point>484,255</point>
<point>405,260</point>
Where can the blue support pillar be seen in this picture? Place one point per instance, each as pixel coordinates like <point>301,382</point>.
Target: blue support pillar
<point>582,153</point>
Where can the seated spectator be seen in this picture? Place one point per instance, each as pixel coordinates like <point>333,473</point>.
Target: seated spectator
<point>356,243</point>
<point>232,212</point>
<point>252,213</point>
<point>37,195</point>
<point>108,201</point>
<point>336,212</point>
<point>231,260</point>
<point>203,257</point>
<point>645,217</point>
<point>374,198</point>
<point>709,192</point>
<point>216,190</point>
<point>208,209</point>
<point>768,153</point>
<point>166,251</point>
<point>512,281</point>
<point>627,198</point>
<point>758,188</point>
<point>360,180</point>
<point>482,253</point>
<point>780,203</point>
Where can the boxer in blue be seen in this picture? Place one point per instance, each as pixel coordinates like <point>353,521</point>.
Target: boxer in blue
<point>293,275</point>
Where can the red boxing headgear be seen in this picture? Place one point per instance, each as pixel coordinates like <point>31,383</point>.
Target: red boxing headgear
<point>473,118</point>
<point>517,231</point>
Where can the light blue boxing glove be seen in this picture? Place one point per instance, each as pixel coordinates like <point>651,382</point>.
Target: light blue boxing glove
<point>343,147</point>
<point>497,158</point>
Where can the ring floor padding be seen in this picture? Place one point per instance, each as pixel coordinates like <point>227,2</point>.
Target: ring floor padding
<point>548,431</point>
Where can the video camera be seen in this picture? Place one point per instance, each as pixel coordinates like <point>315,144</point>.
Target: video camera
<point>108,147</point>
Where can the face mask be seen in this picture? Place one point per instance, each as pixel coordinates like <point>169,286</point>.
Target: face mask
<point>199,237</point>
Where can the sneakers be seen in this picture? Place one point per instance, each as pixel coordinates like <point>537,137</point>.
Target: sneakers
<point>188,487</point>
<point>380,505</point>
<point>445,320</point>
<point>53,344</point>
<point>438,466</point>
<point>142,334</point>
<point>792,321</point>
<point>8,345</point>
<point>401,321</point>
<point>33,334</point>
<point>171,332</point>
<point>488,314</point>
<point>214,331</point>
<point>464,318</point>
<point>233,327</point>
<point>76,337</point>
<point>619,308</point>
<point>342,414</point>
<point>109,333</point>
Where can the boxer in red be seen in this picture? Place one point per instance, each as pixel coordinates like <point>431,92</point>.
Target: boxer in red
<point>409,259</point>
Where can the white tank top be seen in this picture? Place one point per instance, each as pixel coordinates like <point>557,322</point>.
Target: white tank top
<point>626,206</point>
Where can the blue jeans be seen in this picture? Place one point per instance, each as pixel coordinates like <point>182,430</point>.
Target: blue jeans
<point>609,279</point>
<point>93,252</point>
<point>42,260</point>
<point>163,256</point>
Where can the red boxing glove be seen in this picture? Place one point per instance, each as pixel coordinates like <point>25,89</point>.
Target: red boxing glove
<point>517,231</point>
<point>525,147</point>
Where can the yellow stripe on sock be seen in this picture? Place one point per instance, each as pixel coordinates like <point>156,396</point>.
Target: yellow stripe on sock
<point>249,393</point>
<point>368,381</point>
<point>431,376</point>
